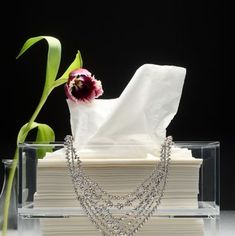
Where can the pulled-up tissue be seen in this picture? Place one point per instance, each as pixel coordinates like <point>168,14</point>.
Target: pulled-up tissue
<point>139,116</point>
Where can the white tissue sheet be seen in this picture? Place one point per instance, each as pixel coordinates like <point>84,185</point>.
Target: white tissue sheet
<point>139,116</point>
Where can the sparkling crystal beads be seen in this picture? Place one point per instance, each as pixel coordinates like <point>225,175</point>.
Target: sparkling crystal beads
<point>119,215</point>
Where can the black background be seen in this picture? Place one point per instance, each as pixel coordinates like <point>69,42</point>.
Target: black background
<point>115,39</point>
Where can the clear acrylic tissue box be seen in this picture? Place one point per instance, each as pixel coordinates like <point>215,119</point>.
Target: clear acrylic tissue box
<point>35,213</point>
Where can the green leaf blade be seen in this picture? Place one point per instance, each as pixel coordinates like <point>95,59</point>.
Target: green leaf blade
<point>30,42</point>
<point>76,64</point>
<point>24,132</point>
<point>45,134</point>
<point>53,58</point>
<point>53,61</point>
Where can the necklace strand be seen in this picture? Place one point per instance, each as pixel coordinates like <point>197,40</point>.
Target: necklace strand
<point>133,209</point>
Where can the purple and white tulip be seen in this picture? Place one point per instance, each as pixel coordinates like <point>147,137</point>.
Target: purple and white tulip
<point>82,86</point>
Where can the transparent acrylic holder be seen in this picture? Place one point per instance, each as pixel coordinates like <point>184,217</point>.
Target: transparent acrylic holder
<point>30,216</point>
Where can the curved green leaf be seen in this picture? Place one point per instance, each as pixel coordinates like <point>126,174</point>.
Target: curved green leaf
<point>53,60</point>
<point>28,44</point>
<point>24,132</point>
<point>59,82</point>
<point>45,133</point>
<point>76,64</point>
<point>53,57</point>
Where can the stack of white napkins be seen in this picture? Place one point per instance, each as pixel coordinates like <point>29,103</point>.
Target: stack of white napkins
<point>54,186</point>
<point>155,226</point>
<point>54,189</point>
<point>119,141</point>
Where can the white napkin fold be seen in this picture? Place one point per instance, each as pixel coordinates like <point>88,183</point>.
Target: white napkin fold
<point>139,116</point>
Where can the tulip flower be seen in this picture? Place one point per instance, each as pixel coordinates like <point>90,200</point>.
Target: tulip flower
<point>82,86</point>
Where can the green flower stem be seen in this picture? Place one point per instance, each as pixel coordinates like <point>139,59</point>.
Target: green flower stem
<point>8,193</point>
<point>15,161</point>
<point>36,112</point>
<point>53,62</point>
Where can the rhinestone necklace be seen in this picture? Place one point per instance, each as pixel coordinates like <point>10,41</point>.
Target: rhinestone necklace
<point>118,215</point>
